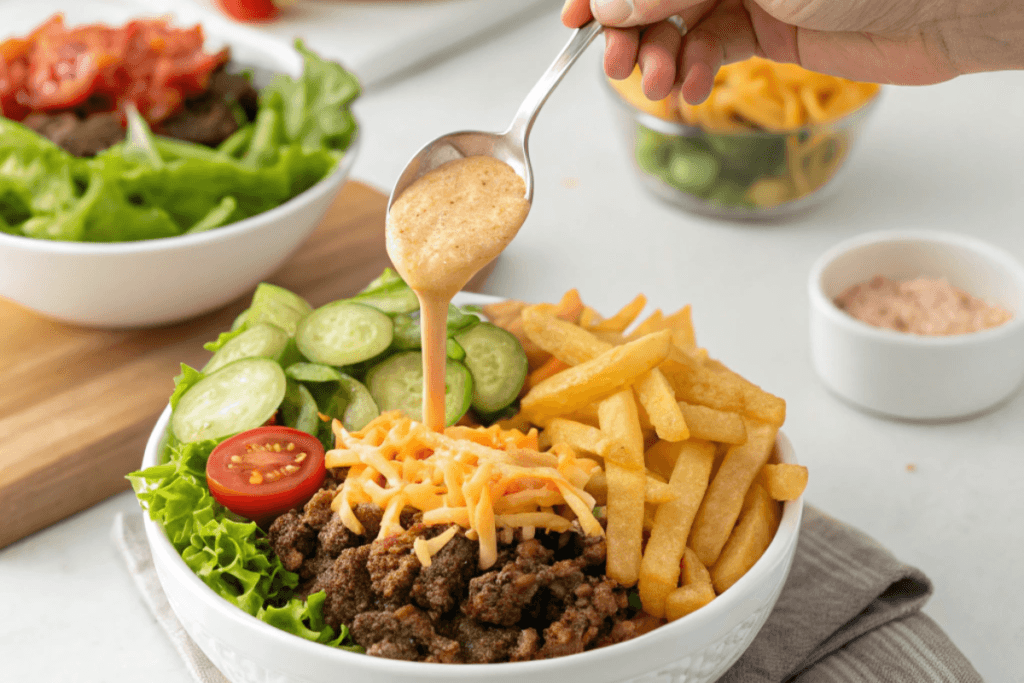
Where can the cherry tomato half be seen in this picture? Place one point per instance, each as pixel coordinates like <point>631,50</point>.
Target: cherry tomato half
<point>264,472</point>
<point>249,10</point>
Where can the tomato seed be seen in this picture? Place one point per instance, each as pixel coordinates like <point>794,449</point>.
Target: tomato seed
<point>300,457</point>
<point>255,477</point>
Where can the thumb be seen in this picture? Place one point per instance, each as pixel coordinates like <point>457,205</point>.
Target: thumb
<point>637,12</point>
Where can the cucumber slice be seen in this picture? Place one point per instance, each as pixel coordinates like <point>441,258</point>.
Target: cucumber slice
<point>386,280</point>
<point>299,409</point>
<point>353,404</point>
<point>498,365</point>
<point>241,395</point>
<point>262,340</point>
<point>454,351</point>
<point>397,384</point>
<point>278,306</point>
<point>240,320</point>
<point>397,300</point>
<point>313,372</point>
<point>344,332</point>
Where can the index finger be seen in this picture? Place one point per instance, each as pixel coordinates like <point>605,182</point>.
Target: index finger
<point>575,13</point>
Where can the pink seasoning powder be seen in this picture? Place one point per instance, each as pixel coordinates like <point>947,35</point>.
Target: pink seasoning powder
<point>929,306</point>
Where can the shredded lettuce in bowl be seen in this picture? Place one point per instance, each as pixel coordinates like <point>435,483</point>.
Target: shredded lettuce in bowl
<point>150,187</point>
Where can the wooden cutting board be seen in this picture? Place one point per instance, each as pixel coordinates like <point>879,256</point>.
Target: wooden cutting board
<point>77,404</point>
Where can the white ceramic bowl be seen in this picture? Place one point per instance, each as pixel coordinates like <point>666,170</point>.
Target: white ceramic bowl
<point>155,282</point>
<point>698,648</point>
<point>916,376</point>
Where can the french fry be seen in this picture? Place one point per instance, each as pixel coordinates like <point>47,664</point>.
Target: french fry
<point>757,402</point>
<point>695,383</point>
<point>659,401</point>
<point>724,499</point>
<point>748,541</point>
<point>687,599</point>
<point>660,567</point>
<point>713,425</point>
<point>624,318</point>
<point>580,385</point>
<point>552,366</point>
<point>651,323</point>
<point>570,343</point>
<point>581,437</point>
<point>655,491</point>
<point>785,481</point>
<point>681,324</point>
<point>626,487</point>
<point>694,570</point>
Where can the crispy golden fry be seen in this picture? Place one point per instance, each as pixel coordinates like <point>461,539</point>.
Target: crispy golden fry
<point>651,323</point>
<point>758,403</point>
<point>503,310</point>
<point>573,345</point>
<point>589,317</point>
<point>659,569</point>
<point>552,366</point>
<point>581,385</point>
<point>624,318</point>
<point>681,324</point>
<point>724,500</point>
<point>694,570</point>
<point>579,436</point>
<point>586,415</point>
<point>748,540</point>
<point>626,487</point>
<point>687,599</point>
<point>659,401</point>
<point>613,338</point>
<point>713,425</point>
<point>654,491</point>
<point>785,481</point>
<point>570,343</point>
<point>694,383</point>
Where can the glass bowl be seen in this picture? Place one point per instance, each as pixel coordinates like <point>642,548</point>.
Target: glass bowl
<point>745,174</point>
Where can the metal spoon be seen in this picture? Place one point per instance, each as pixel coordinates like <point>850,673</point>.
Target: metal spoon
<point>510,146</point>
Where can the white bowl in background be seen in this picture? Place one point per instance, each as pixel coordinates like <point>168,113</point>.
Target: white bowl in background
<point>698,648</point>
<point>912,376</point>
<point>162,281</point>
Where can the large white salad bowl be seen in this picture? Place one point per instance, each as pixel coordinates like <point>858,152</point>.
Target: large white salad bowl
<point>162,281</point>
<point>698,648</point>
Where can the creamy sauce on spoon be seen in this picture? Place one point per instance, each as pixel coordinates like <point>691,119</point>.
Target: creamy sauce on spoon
<point>440,232</point>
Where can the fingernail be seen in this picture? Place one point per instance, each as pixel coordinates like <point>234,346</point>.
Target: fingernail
<point>611,11</point>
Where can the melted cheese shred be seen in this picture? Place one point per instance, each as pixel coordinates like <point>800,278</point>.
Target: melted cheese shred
<point>481,479</point>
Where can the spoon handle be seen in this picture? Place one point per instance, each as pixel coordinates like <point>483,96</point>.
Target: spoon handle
<point>538,95</point>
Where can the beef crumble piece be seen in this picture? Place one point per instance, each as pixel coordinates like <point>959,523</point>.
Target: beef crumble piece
<point>544,597</point>
<point>406,633</point>
<point>77,135</point>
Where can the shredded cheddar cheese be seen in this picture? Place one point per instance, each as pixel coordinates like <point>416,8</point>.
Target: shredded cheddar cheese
<point>483,480</point>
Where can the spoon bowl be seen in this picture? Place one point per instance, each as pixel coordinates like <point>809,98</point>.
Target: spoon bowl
<point>510,146</point>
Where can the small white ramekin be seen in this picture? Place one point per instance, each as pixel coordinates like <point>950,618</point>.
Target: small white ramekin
<point>911,376</point>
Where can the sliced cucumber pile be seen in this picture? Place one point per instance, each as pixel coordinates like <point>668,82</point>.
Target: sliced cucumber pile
<point>348,360</point>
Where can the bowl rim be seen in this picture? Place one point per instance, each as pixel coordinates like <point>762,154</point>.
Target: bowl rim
<point>780,551</point>
<point>996,256</point>
<point>683,129</point>
<point>230,35</point>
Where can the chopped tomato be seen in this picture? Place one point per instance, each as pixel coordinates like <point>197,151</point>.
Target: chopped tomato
<point>97,68</point>
<point>249,10</point>
<point>264,472</point>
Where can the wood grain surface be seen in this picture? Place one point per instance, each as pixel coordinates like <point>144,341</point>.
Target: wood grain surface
<point>77,404</point>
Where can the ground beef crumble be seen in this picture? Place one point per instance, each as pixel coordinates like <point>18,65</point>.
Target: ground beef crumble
<point>544,597</point>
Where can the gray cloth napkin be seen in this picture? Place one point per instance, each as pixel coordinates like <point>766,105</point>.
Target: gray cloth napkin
<point>849,613</point>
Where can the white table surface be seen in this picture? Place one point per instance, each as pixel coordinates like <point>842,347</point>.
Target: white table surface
<point>943,497</point>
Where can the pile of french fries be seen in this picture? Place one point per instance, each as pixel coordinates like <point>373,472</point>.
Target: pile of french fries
<point>691,495</point>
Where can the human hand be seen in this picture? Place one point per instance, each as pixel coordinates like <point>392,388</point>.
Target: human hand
<point>881,41</point>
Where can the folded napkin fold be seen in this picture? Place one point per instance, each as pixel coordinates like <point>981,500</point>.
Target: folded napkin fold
<point>849,613</point>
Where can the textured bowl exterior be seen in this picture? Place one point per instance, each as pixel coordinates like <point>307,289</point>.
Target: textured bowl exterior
<point>157,282</point>
<point>698,648</point>
<point>913,376</point>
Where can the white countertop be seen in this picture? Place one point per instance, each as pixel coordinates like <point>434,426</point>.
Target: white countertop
<point>946,157</point>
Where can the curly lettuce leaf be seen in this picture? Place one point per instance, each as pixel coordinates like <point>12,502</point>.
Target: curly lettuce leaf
<point>314,108</point>
<point>185,381</point>
<point>305,619</point>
